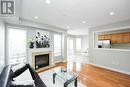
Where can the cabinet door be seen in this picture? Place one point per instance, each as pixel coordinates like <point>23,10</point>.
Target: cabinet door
<point>129,37</point>
<point>119,38</point>
<point>101,37</point>
<point>126,37</point>
<point>108,37</point>
<point>113,38</point>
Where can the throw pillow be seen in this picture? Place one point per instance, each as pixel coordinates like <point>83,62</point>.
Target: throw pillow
<point>26,75</point>
<point>26,83</point>
<point>17,67</point>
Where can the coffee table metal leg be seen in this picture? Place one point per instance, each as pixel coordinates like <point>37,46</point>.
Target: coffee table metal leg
<point>75,82</point>
<point>65,85</point>
<point>54,75</point>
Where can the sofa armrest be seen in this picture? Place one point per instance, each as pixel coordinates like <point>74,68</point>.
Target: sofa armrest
<point>5,77</point>
<point>35,76</point>
<point>20,71</point>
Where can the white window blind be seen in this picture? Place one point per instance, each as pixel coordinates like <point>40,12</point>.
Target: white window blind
<point>70,47</point>
<point>57,44</point>
<point>16,45</point>
<point>78,44</point>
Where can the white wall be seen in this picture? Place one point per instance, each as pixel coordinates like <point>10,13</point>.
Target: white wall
<point>118,60</point>
<point>85,43</point>
<point>2,42</point>
<point>33,26</point>
<point>64,46</point>
<point>31,32</point>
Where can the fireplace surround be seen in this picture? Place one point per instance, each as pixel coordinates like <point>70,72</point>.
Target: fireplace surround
<point>42,60</point>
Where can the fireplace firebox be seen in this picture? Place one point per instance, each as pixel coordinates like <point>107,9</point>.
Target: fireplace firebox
<point>41,61</point>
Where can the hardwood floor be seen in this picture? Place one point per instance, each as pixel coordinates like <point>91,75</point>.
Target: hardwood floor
<point>93,76</point>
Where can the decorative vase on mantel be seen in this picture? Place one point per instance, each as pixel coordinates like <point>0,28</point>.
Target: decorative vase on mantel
<point>31,45</point>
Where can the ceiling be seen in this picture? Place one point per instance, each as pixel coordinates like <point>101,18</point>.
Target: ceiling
<point>69,14</point>
<point>115,31</point>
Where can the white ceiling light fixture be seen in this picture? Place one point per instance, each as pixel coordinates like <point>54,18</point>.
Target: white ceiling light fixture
<point>35,17</point>
<point>48,1</point>
<point>111,13</point>
<point>83,22</point>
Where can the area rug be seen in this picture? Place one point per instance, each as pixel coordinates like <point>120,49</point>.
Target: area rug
<point>47,78</point>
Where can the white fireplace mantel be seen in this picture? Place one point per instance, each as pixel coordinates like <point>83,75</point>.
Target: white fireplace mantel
<point>39,51</point>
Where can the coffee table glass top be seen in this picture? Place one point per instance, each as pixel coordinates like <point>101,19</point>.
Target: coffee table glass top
<point>63,74</point>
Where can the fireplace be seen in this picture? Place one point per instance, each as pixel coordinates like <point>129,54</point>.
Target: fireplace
<point>41,61</point>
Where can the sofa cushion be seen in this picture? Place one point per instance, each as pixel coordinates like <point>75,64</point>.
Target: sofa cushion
<point>21,86</point>
<point>25,83</point>
<point>7,75</point>
<point>19,69</point>
<point>38,81</point>
<point>26,75</point>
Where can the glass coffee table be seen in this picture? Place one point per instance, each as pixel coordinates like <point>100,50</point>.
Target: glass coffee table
<point>65,76</point>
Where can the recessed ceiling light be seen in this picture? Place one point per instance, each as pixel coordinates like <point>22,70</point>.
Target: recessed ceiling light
<point>35,17</point>
<point>83,22</point>
<point>68,27</point>
<point>111,13</point>
<point>48,1</point>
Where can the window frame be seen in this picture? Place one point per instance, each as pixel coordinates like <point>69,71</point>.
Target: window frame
<point>54,46</point>
<point>7,44</point>
<point>76,44</point>
<point>68,46</point>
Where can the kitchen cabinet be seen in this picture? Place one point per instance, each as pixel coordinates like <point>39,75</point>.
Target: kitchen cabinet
<point>107,37</point>
<point>119,38</point>
<point>101,37</point>
<point>129,37</point>
<point>116,38</point>
<point>113,38</point>
<point>126,37</point>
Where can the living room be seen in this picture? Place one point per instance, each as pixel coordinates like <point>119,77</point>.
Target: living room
<point>64,43</point>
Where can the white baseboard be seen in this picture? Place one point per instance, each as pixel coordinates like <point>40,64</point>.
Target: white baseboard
<point>58,61</point>
<point>64,61</point>
<point>112,69</point>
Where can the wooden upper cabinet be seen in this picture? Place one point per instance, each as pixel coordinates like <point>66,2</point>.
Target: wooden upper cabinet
<point>119,38</point>
<point>129,37</point>
<point>113,38</point>
<point>116,38</point>
<point>126,37</point>
<point>101,37</point>
<point>107,37</point>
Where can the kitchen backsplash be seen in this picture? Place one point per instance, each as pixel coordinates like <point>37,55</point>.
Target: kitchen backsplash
<point>121,46</point>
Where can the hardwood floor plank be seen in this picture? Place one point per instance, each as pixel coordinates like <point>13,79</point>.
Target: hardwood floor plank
<point>93,76</point>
